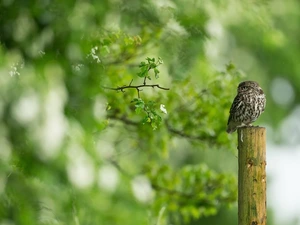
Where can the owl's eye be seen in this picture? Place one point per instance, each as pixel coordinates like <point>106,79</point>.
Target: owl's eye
<point>244,88</point>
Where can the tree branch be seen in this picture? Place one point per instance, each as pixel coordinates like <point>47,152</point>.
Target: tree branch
<point>171,129</point>
<point>136,87</point>
<point>185,135</point>
<point>123,119</point>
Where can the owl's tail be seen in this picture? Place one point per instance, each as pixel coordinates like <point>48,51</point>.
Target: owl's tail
<point>231,127</point>
<point>230,130</point>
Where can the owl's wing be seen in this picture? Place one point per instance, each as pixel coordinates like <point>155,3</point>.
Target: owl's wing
<point>235,108</point>
<point>265,102</point>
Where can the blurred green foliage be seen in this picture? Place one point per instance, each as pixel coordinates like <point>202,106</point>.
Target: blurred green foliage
<point>114,112</point>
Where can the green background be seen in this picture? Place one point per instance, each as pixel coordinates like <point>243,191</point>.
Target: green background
<point>75,152</point>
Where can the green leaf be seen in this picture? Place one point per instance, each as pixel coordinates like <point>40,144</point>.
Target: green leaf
<point>156,72</point>
<point>142,64</point>
<point>230,66</point>
<point>138,110</point>
<point>139,103</point>
<point>143,72</point>
<point>152,65</point>
<point>135,100</point>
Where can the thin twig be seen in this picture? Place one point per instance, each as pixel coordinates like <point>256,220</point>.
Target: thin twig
<point>120,169</point>
<point>138,91</point>
<point>130,82</point>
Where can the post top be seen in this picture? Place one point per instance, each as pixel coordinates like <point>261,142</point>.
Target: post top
<point>251,128</point>
<point>248,132</point>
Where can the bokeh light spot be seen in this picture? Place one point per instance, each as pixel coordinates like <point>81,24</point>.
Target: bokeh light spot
<point>282,91</point>
<point>108,178</point>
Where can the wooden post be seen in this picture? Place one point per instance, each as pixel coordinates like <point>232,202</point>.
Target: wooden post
<point>252,208</point>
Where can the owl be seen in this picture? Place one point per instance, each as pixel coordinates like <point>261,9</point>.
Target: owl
<point>247,106</point>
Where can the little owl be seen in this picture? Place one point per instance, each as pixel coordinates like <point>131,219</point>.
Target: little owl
<point>247,106</point>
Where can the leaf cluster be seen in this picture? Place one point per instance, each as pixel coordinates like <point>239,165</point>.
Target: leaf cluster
<point>150,109</point>
<point>192,192</point>
<point>146,67</point>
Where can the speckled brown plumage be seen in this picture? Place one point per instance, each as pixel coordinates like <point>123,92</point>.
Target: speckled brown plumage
<point>247,106</point>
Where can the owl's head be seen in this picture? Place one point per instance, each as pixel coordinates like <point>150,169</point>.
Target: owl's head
<point>249,86</point>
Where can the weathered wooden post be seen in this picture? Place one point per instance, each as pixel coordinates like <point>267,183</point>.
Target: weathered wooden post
<point>252,209</point>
